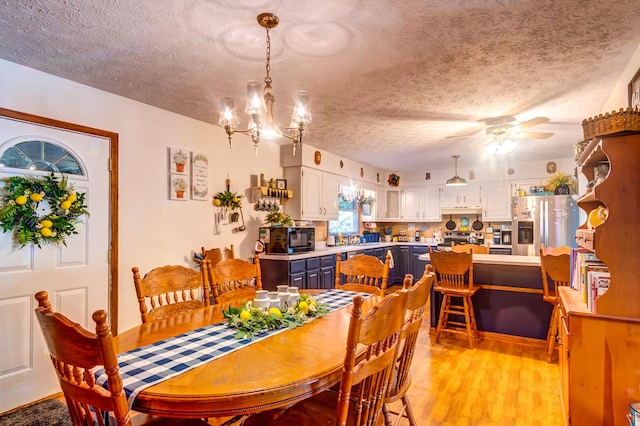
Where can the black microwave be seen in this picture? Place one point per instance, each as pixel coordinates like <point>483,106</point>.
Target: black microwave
<point>288,240</point>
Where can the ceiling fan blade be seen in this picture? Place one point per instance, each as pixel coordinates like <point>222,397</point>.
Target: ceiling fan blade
<point>533,135</point>
<point>533,122</point>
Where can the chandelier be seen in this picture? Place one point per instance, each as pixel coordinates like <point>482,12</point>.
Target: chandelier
<point>263,124</point>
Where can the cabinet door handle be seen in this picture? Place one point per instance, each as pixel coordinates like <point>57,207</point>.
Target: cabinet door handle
<point>324,213</point>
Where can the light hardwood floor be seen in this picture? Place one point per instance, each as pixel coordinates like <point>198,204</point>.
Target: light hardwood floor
<point>498,383</point>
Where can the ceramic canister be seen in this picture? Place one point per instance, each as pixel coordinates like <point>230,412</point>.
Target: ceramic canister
<point>274,300</point>
<point>294,295</point>
<point>634,414</point>
<point>262,299</point>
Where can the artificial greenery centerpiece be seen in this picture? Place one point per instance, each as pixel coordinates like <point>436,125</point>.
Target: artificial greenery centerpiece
<point>40,210</point>
<point>250,320</point>
<point>276,217</point>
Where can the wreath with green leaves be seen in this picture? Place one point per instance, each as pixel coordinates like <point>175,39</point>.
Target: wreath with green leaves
<point>40,210</point>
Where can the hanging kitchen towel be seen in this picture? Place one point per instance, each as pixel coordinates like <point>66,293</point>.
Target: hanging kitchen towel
<point>390,259</point>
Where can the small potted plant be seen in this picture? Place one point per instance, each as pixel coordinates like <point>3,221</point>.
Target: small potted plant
<point>277,218</point>
<point>387,230</point>
<point>561,184</point>
<point>366,201</point>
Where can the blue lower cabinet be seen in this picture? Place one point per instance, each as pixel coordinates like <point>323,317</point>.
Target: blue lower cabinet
<point>298,280</point>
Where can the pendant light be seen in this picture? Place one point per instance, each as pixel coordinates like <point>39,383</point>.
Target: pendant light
<point>456,180</point>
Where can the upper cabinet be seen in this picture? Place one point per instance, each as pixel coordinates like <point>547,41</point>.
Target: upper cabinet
<point>381,204</point>
<point>393,201</point>
<point>468,195</point>
<point>496,202</point>
<point>421,204</point>
<point>318,191</point>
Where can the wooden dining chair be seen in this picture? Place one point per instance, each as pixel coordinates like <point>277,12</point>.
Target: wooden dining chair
<point>555,264</point>
<point>234,279</point>
<point>454,279</point>
<point>362,273</point>
<point>369,361</point>
<point>217,255</point>
<point>75,353</point>
<point>169,290</point>
<point>417,297</point>
<point>464,248</point>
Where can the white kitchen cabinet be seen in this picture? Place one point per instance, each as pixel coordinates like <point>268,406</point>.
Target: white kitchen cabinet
<point>526,184</point>
<point>430,203</point>
<point>468,195</point>
<point>411,203</point>
<point>393,199</point>
<point>496,202</point>
<point>381,204</point>
<point>318,199</point>
<point>421,204</point>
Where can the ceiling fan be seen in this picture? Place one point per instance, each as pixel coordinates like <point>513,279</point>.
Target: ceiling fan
<point>503,130</point>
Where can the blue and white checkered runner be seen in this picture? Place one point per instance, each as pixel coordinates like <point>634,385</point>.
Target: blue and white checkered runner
<point>143,367</point>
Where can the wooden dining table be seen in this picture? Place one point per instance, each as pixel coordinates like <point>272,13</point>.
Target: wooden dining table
<point>272,373</point>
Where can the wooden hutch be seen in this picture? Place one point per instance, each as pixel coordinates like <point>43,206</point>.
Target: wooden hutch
<point>600,348</point>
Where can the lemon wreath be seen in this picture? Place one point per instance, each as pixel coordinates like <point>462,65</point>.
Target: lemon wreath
<point>40,210</point>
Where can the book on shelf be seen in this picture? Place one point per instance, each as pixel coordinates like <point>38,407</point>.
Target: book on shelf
<point>589,276</point>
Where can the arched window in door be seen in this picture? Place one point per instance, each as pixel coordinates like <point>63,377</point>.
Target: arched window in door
<point>40,155</point>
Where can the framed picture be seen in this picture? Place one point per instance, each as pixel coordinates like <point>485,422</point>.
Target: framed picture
<point>281,183</point>
<point>178,187</point>
<point>199,176</point>
<point>634,91</point>
<point>178,161</point>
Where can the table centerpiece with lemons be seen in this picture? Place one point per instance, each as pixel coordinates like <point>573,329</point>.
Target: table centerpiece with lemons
<point>250,320</point>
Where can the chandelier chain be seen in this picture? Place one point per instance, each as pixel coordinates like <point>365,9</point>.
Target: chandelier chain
<point>267,79</point>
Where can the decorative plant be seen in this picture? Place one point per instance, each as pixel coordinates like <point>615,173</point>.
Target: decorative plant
<point>227,199</point>
<point>386,230</point>
<point>40,210</point>
<point>250,320</point>
<point>559,179</point>
<point>366,199</point>
<point>276,217</point>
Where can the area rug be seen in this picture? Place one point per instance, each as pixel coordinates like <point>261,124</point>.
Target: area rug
<point>50,412</point>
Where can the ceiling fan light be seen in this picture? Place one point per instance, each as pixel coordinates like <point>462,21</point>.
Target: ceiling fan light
<point>506,147</point>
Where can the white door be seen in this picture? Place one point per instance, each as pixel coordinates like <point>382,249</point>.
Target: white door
<point>311,194</point>
<point>76,276</point>
<point>330,196</point>
<point>411,204</point>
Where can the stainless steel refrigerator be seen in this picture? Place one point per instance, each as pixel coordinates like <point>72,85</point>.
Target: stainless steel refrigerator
<point>551,220</point>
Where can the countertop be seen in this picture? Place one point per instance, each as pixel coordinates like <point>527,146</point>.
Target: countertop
<point>323,250</point>
<point>499,259</point>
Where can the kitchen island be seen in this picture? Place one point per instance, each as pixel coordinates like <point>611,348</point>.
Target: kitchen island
<point>509,301</point>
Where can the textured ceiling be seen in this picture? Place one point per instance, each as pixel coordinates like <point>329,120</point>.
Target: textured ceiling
<point>390,80</point>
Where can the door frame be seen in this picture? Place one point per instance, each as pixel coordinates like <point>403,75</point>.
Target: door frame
<point>113,194</point>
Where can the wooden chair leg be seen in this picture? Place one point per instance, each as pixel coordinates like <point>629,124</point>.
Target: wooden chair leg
<point>443,308</point>
<point>408,410</point>
<point>467,320</point>
<point>553,332</point>
<point>388,421</point>
<point>474,323</point>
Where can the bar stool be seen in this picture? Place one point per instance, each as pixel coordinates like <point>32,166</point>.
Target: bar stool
<point>555,264</point>
<point>454,278</point>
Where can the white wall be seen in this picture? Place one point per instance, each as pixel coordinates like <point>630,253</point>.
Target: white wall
<point>619,97</point>
<point>153,231</point>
